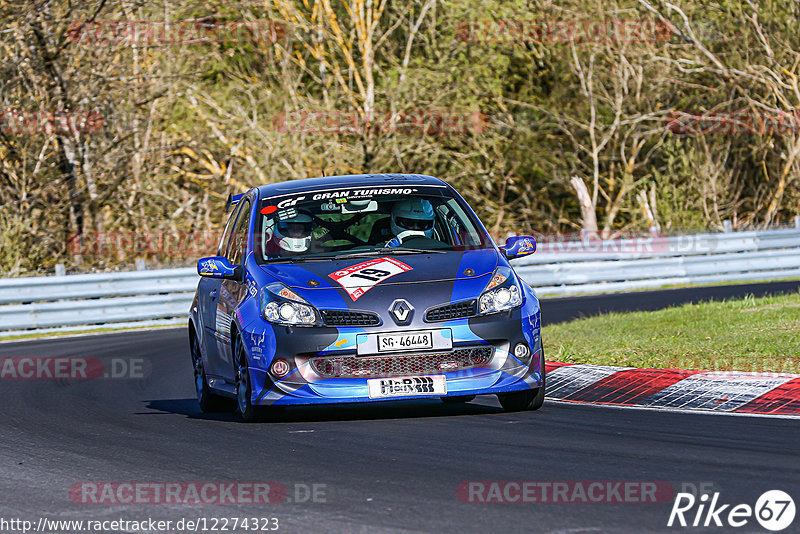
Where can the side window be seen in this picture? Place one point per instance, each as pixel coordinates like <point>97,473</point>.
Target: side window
<point>443,230</point>
<point>467,234</point>
<point>239,237</point>
<point>223,243</point>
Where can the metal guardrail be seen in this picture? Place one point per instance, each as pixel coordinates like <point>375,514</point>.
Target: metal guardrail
<point>94,311</point>
<point>89,286</point>
<point>557,268</point>
<point>95,299</point>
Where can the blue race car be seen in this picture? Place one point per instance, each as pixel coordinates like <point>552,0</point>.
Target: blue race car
<point>359,289</point>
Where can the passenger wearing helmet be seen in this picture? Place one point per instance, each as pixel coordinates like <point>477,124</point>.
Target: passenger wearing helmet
<point>411,218</point>
<point>292,236</point>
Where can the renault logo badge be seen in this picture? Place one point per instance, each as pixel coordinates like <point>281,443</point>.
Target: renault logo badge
<point>402,311</point>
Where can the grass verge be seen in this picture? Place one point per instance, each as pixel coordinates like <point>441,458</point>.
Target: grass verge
<point>748,334</point>
<point>545,295</point>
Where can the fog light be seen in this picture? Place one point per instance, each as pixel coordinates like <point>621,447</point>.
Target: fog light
<point>279,368</point>
<point>521,351</point>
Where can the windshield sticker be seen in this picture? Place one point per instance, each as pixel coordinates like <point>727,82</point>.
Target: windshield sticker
<point>287,214</point>
<point>330,206</point>
<point>266,210</point>
<point>289,202</point>
<point>359,279</point>
<point>343,196</point>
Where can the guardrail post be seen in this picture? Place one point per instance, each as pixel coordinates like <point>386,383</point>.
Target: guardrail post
<point>797,221</point>
<point>727,226</point>
<point>61,270</point>
<point>140,264</point>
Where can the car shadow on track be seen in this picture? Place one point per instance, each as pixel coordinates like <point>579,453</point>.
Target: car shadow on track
<point>335,412</point>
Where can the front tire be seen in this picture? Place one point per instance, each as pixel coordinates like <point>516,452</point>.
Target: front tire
<point>209,402</point>
<point>244,390</point>
<point>530,399</point>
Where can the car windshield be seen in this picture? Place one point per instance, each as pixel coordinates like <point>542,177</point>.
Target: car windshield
<point>361,221</point>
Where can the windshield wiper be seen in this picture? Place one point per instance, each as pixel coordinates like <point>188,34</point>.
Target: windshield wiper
<point>394,250</point>
<point>297,259</point>
<point>362,254</point>
<point>387,250</point>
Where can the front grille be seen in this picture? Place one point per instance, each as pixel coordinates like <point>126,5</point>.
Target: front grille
<point>416,364</point>
<point>349,318</point>
<point>456,310</point>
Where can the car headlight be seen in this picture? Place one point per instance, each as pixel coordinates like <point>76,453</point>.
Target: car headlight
<point>281,305</point>
<point>501,293</point>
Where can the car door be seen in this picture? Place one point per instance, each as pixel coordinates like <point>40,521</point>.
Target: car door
<point>232,292</point>
<point>208,295</point>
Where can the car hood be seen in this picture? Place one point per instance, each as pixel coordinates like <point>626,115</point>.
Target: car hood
<point>402,269</point>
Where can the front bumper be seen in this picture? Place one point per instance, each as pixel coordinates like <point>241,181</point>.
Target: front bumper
<point>305,385</point>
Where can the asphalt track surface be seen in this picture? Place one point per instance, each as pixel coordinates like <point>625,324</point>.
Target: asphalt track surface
<point>388,467</point>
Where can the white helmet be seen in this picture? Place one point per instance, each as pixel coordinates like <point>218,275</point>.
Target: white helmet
<point>294,234</point>
<point>413,214</point>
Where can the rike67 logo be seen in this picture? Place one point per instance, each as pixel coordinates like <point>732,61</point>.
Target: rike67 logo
<point>774,510</point>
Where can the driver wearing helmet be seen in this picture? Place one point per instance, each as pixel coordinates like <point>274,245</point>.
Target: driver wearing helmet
<point>286,237</point>
<point>411,218</point>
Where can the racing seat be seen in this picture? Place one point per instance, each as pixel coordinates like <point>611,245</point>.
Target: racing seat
<point>381,231</point>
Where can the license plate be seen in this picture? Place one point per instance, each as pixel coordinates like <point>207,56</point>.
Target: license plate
<point>407,386</point>
<point>403,342</point>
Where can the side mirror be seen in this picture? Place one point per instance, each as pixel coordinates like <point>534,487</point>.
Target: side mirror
<point>519,246</point>
<point>218,267</point>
